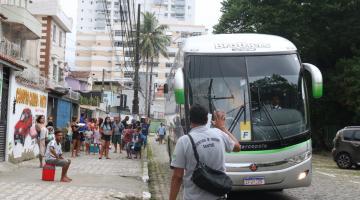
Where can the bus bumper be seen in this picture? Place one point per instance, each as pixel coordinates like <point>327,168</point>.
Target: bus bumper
<point>275,180</point>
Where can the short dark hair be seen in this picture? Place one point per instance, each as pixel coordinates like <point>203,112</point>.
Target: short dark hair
<point>74,118</point>
<point>198,114</point>
<point>57,131</point>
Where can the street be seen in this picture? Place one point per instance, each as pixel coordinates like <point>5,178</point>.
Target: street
<point>328,181</point>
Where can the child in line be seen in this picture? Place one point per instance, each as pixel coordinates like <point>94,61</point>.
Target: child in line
<point>88,141</point>
<point>97,138</point>
<point>137,142</point>
<point>127,136</point>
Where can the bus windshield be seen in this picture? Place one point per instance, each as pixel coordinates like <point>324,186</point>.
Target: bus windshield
<point>263,96</point>
<point>220,83</point>
<point>278,96</point>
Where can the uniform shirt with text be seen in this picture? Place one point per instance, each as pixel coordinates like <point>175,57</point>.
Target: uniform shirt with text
<point>211,144</point>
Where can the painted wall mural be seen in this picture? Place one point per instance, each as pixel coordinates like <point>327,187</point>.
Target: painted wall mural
<point>26,105</point>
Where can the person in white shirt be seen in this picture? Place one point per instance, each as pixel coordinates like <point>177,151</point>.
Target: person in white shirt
<point>211,145</point>
<point>53,156</point>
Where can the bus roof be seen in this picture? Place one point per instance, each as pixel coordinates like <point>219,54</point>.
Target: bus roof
<point>238,43</point>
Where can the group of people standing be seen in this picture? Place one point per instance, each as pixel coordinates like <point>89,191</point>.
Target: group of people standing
<point>98,133</point>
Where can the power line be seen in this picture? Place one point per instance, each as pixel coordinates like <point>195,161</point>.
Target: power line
<point>126,41</point>
<point>125,26</point>
<point>111,36</point>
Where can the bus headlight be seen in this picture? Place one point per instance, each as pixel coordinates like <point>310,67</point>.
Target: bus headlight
<point>299,158</point>
<point>303,175</point>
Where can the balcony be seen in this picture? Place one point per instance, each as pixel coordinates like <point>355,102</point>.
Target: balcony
<point>51,8</point>
<point>73,95</point>
<point>10,50</point>
<point>30,77</point>
<point>58,87</point>
<point>19,20</point>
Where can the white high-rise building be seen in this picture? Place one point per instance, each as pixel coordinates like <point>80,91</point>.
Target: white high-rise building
<point>97,50</point>
<point>172,11</point>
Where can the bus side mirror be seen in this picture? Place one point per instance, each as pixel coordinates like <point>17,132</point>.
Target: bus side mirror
<point>179,86</point>
<point>166,88</point>
<point>317,81</point>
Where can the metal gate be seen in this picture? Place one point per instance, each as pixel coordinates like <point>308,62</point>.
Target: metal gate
<point>3,114</point>
<point>63,114</point>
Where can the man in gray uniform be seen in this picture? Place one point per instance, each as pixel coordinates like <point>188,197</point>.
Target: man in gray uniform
<point>211,144</point>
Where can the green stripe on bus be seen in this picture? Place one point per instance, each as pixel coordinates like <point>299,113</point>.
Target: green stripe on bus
<point>179,96</point>
<point>272,150</point>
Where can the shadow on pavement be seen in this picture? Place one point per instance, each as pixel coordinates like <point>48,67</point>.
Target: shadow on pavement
<point>259,195</point>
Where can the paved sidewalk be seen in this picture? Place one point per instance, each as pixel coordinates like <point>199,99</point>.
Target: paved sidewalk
<point>160,172</point>
<point>116,178</point>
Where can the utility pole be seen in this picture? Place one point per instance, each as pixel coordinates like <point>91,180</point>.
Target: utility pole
<point>102,87</point>
<point>135,107</point>
<point>150,93</point>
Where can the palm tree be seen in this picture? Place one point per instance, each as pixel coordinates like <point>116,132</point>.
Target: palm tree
<point>153,42</point>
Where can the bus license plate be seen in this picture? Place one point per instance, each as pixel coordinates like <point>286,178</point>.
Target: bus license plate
<point>254,181</point>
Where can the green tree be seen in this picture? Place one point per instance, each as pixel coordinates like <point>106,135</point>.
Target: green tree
<point>326,34</point>
<point>153,42</point>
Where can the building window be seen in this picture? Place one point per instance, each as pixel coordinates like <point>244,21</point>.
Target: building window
<point>167,75</point>
<point>171,54</point>
<point>128,53</point>
<point>168,64</point>
<point>55,71</point>
<point>128,74</point>
<point>54,33</point>
<point>118,43</point>
<point>60,75</point>
<point>60,38</point>
<point>119,33</point>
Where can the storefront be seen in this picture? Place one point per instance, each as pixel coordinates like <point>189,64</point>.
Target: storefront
<point>62,107</point>
<point>27,103</point>
<point>7,67</point>
<point>4,91</point>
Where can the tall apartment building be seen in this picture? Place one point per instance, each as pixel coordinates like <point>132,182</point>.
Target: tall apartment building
<point>170,11</point>
<point>179,16</point>
<point>109,64</point>
<point>100,47</point>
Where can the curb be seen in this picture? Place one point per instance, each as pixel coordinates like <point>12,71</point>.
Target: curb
<point>145,175</point>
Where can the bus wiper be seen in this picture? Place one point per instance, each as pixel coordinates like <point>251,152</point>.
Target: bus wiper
<point>237,118</point>
<point>238,115</point>
<point>209,97</point>
<point>273,124</point>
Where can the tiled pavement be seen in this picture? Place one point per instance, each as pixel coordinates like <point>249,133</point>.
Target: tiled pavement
<point>117,178</point>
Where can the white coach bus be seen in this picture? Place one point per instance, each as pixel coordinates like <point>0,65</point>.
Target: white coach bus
<point>258,80</point>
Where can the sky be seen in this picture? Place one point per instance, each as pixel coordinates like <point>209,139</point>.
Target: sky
<point>207,13</point>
